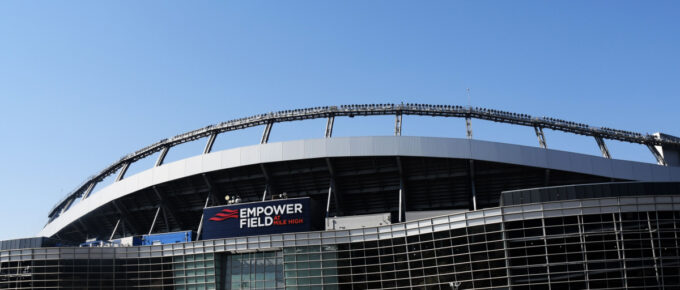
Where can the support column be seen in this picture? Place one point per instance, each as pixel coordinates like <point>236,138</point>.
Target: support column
<point>268,182</point>
<point>402,202</point>
<point>541,137</point>
<point>89,189</point>
<point>402,192</point>
<point>200,224</point>
<point>330,195</point>
<point>669,153</point>
<point>329,126</point>
<point>209,145</point>
<point>468,127</point>
<point>603,147</point>
<point>155,217</point>
<point>115,228</point>
<point>123,169</point>
<point>67,205</point>
<point>651,242</point>
<point>397,125</point>
<point>161,156</point>
<point>265,134</point>
<point>473,192</point>
<point>264,194</point>
<point>336,200</point>
<point>659,158</point>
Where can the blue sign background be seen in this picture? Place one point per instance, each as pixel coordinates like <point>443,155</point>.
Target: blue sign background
<point>231,227</point>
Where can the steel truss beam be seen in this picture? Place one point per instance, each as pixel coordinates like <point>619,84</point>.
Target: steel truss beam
<point>541,137</point>
<point>397,125</point>
<point>329,126</point>
<point>267,131</point>
<point>161,157</point>
<point>209,144</point>
<point>603,147</point>
<point>659,158</point>
<point>372,110</point>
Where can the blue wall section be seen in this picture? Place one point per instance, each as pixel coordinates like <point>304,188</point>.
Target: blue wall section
<point>167,238</point>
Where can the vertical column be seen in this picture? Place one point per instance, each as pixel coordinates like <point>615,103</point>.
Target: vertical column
<point>651,243</point>
<point>89,189</point>
<point>330,192</point>
<point>161,156</point>
<point>619,247</point>
<point>329,126</point>
<point>67,205</point>
<point>603,147</point>
<point>657,155</point>
<point>397,125</point>
<point>468,127</point>
<point>209,145</point>
<point>200,224</point>
<point>267,130</point>
<point>402,202</point>
<point>582,241</point>
<point>115,228</point>
<point>155,217</point>
<point>122,171</point>
<point>541,137</point>
<point>402,192</point>
<point>473,192</point>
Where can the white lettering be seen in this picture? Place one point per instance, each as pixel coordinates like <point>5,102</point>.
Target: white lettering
<point>298,208</point>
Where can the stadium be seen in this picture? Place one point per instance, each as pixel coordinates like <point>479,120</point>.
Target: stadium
<point>367,212</point>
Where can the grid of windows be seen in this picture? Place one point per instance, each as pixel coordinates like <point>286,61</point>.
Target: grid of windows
<point>615,250</point>
<point>179,272</point>
<point>257,270</point>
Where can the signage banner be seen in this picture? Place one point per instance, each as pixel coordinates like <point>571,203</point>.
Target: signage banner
<point>257,218</point>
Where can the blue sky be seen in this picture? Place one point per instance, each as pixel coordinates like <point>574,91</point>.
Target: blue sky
<point>83,83</point>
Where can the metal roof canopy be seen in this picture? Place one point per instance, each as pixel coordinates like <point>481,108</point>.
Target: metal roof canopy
<point>398,110</point>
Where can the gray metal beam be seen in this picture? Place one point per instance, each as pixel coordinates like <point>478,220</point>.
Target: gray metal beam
<point>200,224</point>
<point>265,134</point>
<point>473,191</point>
<point>155,217</point>
<point>468,127</point>
<point>603,147</point>
<point>209,145</point>
<point>161,156</point>
<point>121,173</point>
<point>67,205</point>
<point>330,192</point>
<point>268,182</point>
<point>113,233</point>
<point>402,192</point>
<point>338,197</point>
<point>659,158</point>
<point>329,126</point>
<point>89,189</point>
<point>397,125</point>
<point>541,137</point>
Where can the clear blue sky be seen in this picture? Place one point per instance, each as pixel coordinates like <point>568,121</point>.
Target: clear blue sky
<point>84,83</point>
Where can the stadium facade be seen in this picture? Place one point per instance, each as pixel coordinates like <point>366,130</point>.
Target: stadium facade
<point>388,212</point>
